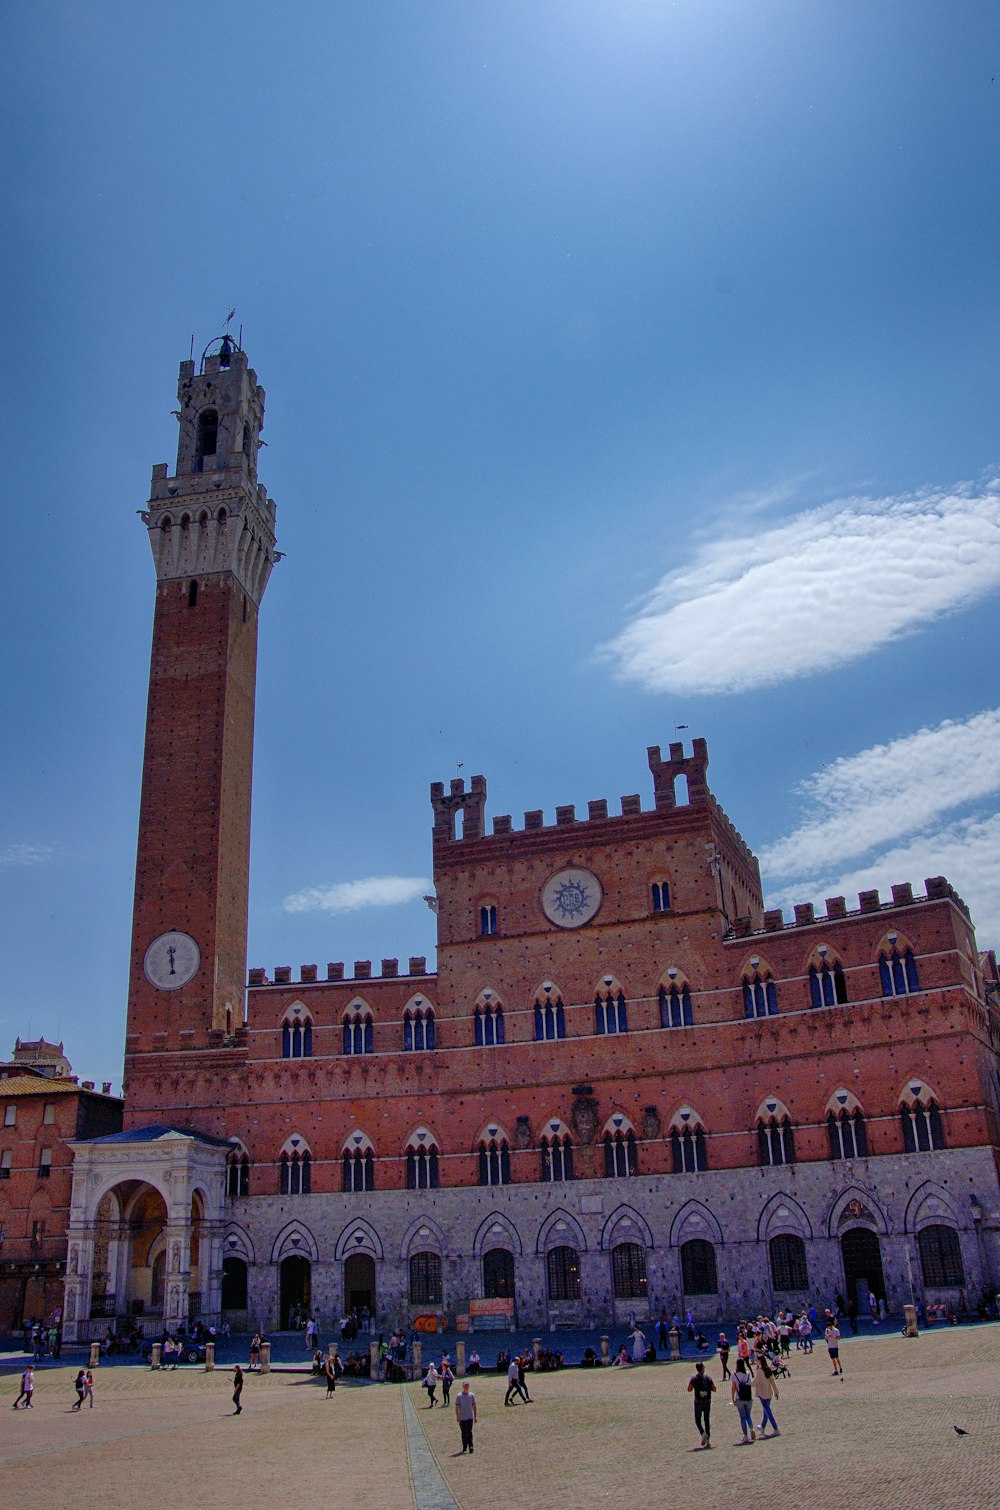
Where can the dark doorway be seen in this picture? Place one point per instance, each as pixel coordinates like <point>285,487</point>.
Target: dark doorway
<point>359,1282</point>
<point>234,1284</point>
<point>498,1274</point>
<point>296,1287</point>
<point>862,1254</point>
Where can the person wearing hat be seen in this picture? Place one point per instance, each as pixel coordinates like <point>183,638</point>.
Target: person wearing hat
<point>702,1386</point>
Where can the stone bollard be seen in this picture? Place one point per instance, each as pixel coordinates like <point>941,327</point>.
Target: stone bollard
<point>675,1343</point>
<point>154,1361</point>
<point>373,1369</point>
<point>332,1350</point>
<point>459,1360</point>
<point>417,1361</point>
<point>605,1353</point>
<point>209,1357</point>
<point>910,1328</point>
<point>536,1348</point>
<point>95,1355</point>
<point>265,1357</point>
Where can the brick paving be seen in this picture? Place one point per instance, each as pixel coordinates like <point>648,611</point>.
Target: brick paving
<point>881,1440</point>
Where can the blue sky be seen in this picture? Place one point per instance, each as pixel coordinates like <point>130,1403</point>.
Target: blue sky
<point>628,365</point>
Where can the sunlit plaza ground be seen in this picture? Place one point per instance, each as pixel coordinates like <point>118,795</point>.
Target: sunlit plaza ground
<point>882,1438</point>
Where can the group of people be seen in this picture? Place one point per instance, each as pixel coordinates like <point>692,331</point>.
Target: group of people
<point>42,1339</point>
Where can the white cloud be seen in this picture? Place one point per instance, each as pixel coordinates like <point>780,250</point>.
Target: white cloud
<point>822,589</point>
<point>883,793</point>
<point>966,852</point>
<point>25,854</point>
<point>353,896</point>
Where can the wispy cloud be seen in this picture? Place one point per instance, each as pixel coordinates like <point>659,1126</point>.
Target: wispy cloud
<point>25,854</point>
<point>821,589</point>
<point>354,896</point>
<point>966,852</point>
<point>882,794</point>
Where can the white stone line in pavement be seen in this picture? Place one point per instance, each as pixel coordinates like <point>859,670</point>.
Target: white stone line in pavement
<point>429,1488</point>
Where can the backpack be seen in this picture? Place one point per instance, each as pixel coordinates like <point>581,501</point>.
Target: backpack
<point>744,1390</point>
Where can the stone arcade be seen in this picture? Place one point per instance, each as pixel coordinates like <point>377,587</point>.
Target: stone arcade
<point>627,1086</point>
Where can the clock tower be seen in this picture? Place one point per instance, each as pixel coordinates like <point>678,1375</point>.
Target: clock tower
<point>211,529</point>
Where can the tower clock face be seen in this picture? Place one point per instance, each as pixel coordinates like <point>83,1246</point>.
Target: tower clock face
<point>171,960</point>
<point>572,897</point>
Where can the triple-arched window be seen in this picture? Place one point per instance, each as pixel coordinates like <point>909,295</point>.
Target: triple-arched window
<point>675,1005</point>
<point>359,1031</point>
<point>610,1011</point>
<point>827,984</point>
<point>557,1153</point>
<point>775,1140</point>
<point>845,1124</point>
<point>687,1142</point>
<point>421,1162</point>
<point>296,1173</point>
<point>550,1018</point>
<point>897,971</point>
<point>237,1173</point>
<point>358,1164</point>
<point>297,1035</point>
<point>418,1028</point>
<point>494,1159</point>
<point>760,995</point>
<point>920,1116</point>
<point>621,1158</point>
<point>488,1023</point>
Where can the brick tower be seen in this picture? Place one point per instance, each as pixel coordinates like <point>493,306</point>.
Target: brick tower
<point>211,529</point>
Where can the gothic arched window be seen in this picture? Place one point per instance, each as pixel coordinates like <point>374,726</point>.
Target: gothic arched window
<point>494,1162</point>
<point>898,972</point>
<point>628,1272</point>
<point>789,1270</point>
<point>760,995</point>
<point>675,1006</point>
<point>562,1273</point>
<point>941,1257</point>
<point>827,984</point>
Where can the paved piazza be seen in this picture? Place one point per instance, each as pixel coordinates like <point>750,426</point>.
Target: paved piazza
<point>881,1439</point>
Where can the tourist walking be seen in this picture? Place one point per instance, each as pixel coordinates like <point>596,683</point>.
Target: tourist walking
<point>447,1380</point>
<point>431,1384</point>
<point>79,1384</point>
<point>237,1390</point>
<point>254,1353</point>
<point>465,1415</point>
<point>514,1385</point>
<point>832,1335</point>
<point>88,1387</point>
<point>741,1386</point>
<point>27,1388</point>
<point>766,1390</point>
<point>638,1345</point>
<point>702,1386</point>
<point>724,1355</point>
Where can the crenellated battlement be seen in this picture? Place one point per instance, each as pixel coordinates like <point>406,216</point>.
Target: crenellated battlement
<point>679,785</point>
<point>937,889</point>
<point>335,972</point>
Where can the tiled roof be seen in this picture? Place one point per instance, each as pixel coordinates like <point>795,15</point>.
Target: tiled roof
<point>36,1085</point>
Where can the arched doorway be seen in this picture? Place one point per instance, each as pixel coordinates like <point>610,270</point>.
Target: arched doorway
<point>296,1286</point>
<point>498,1274</point>
<point>359,1282</point>
<point>234,1284</point>
<point>862,1255</point>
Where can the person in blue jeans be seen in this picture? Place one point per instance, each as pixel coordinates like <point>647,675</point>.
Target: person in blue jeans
<point>702,1386</point>
<point>766,1390</point>
<point>742,1389</point>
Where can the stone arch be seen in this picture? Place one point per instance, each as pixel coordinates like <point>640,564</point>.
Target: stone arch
<point>685,1117</point>
<point>493,1132</point>
<point>357,1141</point>
<point>843,1100</point>
<point>294,1241</point>
<point>781,1214</point>
<point>560,1229</point>
<point>915,1090</point>
<point>930,1205</point>
<point>756,964</point>
<point>237,1243</point>
<point>421,1137</point>
<point>295,1011</point>
<point>618,1122</point>
<point>772,1109</point>
<point>424,1235</point>
<point>822,954</point>
<point>694,1220</point>
<point>625,1225</point>
<point>497,1231</point>
<point>347,1242</point>
<point>609,984</point>
<point>854,1207</point>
